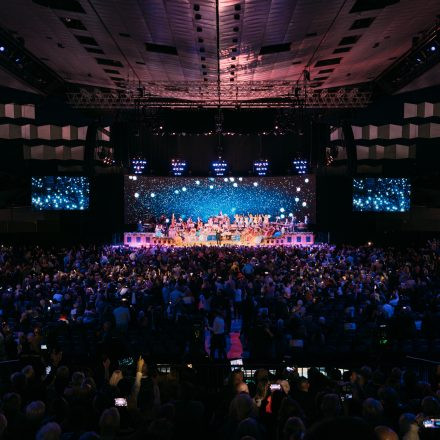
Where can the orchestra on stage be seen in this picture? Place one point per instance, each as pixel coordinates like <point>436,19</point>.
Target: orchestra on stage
<point>250,228</point>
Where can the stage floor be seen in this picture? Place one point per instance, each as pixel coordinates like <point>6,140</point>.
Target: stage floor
<point>147,239</point>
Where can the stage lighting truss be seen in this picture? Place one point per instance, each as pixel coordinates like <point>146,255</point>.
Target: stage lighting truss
<point>421,57</point>
<point>242,94</point>
<point>178,167</point>
<point>219,167</point>
<point>300,165</point>
<point>261,167</point>
<point>21,63</point>
<point>138,165</point>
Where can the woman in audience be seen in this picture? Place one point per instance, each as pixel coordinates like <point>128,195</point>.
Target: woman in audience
<point>75,322</point>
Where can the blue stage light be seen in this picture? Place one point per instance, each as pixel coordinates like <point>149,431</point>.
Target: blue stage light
<point>261,167</point>
<point>300,166</point>
<point>178,167</point>
<point>138,165</point>
<point>219,167</point>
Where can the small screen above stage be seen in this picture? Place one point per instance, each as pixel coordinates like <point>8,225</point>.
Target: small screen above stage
<point>282,197</point>
<point>60,193</point>
<point>381,194</point>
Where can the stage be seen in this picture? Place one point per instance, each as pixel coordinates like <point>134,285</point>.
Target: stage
<point>150,239</point>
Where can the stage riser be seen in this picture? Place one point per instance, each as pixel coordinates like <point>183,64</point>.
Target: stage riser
<point>145,239</point>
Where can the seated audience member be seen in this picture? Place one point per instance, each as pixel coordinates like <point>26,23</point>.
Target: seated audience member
<point>109,342</point>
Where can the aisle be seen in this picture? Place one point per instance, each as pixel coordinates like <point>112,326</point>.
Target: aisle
<point>233,344</point>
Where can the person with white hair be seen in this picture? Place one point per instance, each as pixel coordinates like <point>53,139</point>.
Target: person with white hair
<point>35,412</point>
<point>109,424</point>
<point>408,427</point>
<point>50,431</point>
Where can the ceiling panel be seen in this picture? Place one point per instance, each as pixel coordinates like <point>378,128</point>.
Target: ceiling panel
<point>312,28</point>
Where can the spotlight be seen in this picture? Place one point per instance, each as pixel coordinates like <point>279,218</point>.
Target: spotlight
<point>138,165</point>
<point>219,167</point>
<point>106,157</point>
<point>433,48</point>
<point>178,167</point>
<point>261,167</point>
<point>300,166</point>
<point>2,48</point>
<point>108,160</point>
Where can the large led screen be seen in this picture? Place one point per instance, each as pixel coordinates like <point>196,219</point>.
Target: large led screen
<point>60,193</point>
<point>381,194</point>
<point>206,197</point>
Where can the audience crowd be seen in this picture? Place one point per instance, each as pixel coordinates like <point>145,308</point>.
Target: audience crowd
<point>85,330</point>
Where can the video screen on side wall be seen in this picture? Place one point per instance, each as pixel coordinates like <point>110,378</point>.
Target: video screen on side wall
<point>59,193</point>
<point>381,194</point>
<point>291,196</point>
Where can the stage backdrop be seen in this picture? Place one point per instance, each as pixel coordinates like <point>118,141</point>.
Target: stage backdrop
<point>194,197</point>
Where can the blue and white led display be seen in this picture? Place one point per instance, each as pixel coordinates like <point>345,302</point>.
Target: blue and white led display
<point>60,193</point>
<point>381,194</point>
<point>292,196</point>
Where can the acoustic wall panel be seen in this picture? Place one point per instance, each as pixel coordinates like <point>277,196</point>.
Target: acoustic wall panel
<point>10,131</point>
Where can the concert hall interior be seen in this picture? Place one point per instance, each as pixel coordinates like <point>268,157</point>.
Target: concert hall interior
<point>219,219</point>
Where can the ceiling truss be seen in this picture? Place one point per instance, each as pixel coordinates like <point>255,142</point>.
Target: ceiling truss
<point>251,94</point>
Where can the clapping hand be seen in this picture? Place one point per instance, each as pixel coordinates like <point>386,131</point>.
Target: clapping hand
<point>115,378</point>
<point>140,365</point>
